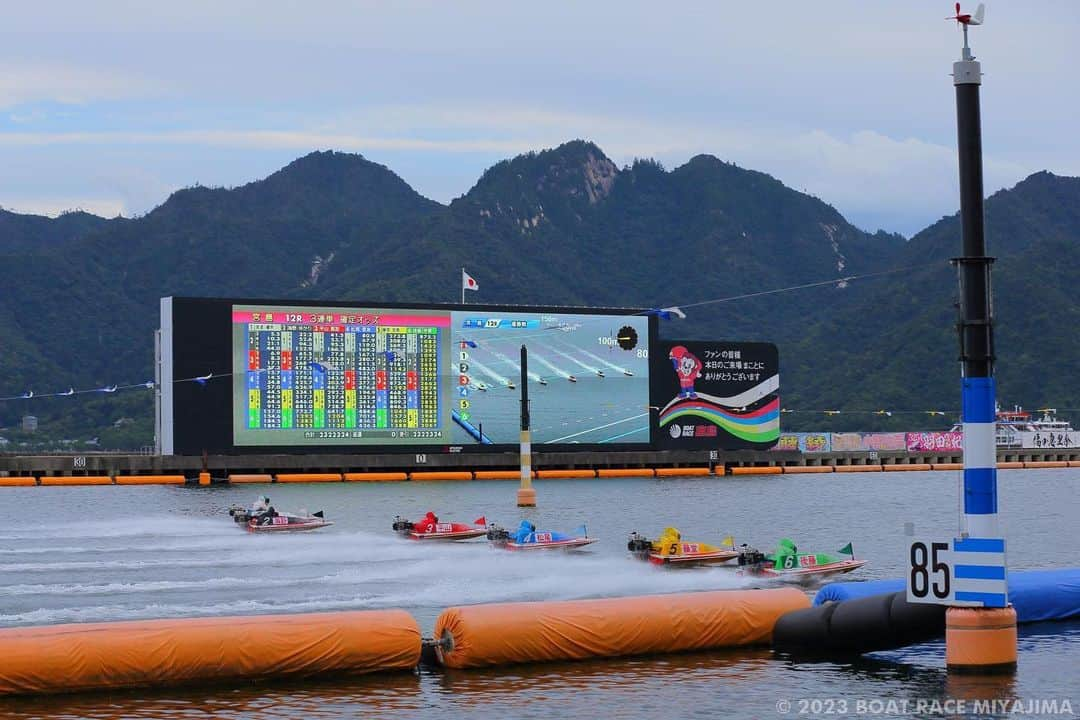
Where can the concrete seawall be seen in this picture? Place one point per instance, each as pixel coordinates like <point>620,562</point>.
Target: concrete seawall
<point>108,465</point>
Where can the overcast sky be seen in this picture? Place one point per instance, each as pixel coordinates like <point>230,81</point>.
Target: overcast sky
<point>110,106</point>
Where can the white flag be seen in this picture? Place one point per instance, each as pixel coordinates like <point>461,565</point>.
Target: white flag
<point>467,282</point>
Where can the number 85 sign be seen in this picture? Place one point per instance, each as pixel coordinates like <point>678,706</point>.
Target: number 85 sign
<point>961,571</point>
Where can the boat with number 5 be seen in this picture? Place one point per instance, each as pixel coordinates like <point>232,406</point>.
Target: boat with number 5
<point>671,550</point>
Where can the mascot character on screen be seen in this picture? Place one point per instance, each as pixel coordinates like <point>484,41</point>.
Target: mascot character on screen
<point>687,368</point>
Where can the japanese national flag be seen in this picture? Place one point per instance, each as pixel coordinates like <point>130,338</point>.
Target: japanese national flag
<point>467,282</point>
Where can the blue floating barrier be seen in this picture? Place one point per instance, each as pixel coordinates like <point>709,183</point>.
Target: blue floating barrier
<point>1037,595</point>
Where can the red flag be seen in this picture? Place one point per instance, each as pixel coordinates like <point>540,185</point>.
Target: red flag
<point>480,521</point>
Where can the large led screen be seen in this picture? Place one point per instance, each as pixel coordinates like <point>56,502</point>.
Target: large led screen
<point>350,376</point>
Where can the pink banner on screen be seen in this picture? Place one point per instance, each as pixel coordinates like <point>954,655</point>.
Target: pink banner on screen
<point>934,441</point>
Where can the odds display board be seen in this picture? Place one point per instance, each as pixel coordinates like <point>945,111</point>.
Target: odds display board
<point>717,395</point>
<point>277,376</point>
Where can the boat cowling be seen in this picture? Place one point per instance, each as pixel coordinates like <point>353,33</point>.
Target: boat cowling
<point>751,556</point>
<point>401,524</point>
<point>497,534</point>
<point>639,544</point>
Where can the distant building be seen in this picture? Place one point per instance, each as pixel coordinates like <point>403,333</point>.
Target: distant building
<point>29,423</point>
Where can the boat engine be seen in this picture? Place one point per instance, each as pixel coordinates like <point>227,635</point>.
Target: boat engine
<point>402,525</point>
<point>498,535</point>
<point>750,556</point>
<point>239,514</point>
<point>639,545</point>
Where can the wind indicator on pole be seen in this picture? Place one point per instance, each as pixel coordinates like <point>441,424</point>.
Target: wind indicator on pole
<point>966,19</point>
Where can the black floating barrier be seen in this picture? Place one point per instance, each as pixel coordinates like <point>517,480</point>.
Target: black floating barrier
<point>853,627</point>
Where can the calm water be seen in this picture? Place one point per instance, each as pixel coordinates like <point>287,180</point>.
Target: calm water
<point>102,553</point>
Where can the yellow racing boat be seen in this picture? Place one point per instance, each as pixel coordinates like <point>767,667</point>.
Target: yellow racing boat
<point>671,549</point>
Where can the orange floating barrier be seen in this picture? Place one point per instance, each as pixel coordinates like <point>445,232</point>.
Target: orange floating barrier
<point>913,467</point>
<point>807,469</point>
<point>1010,465</point>
<point>770,470</point>
<point>376,477</point>
<point>980,640</point>
<point>76,480</point>
<point>947,466</point>
<point>682,472</point>
<point>238,479</point>
<point>150,480</point>
<point>308,477</point>
<point>858,468</point>
<point>565,474</point>
<point>441,475</point>
<point>93,656</point>
<point>17,481</point>
<point>506,633</point>
<point>1074,463</point>
<point>625,472</point>
<point>497,475</point>
<point>1046,464</point>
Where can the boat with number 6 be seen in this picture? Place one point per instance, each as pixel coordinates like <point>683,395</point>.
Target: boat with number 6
<point>790,565</point>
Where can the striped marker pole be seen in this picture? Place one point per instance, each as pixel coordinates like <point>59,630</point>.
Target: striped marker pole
<point>980,459</point>
<point>977,639</point>
<point>526,494</point>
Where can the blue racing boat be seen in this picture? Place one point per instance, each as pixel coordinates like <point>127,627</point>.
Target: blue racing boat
<point>527,537</point>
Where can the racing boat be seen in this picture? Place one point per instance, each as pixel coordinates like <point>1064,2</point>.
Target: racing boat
<point>788,564</point>
<point>429,528</point>
<point>571,378</point>
<point>671,549</point>
<point>262,517</point>
<point>526,537</point>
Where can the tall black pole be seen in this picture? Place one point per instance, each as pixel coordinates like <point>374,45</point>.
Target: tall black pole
<point>987,642</point>
<point>524,388</point>
<point>975,327</point>
<point>526,494</point>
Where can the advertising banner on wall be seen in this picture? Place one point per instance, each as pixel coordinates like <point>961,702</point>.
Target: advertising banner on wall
<point>715,394</point>
<point>935,441</point>
<point>861,442</point>
<point>804,442</point>
<point>1042,439</point>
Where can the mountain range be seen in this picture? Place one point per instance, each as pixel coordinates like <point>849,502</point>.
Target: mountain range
<point>564,226</point>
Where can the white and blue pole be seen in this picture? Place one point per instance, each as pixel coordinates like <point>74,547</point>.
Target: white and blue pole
<point>977,639</point>
<point>980,458</point>
<point>976,328</point>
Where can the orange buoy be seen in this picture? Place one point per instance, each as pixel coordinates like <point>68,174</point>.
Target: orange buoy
<point>307,477</point>
<point>682,471</point>
<point>980,640</point>
<point>376,477</point>
<point>17,481</point>
<point>93,656</point>
<point>76,480</point>
<point>256,478</point>
<point>506,633</point>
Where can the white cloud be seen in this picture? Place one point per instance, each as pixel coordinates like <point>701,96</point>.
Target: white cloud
<point>25,84</point>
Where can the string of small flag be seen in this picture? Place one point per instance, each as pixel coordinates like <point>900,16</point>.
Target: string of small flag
<point>663,313</point>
